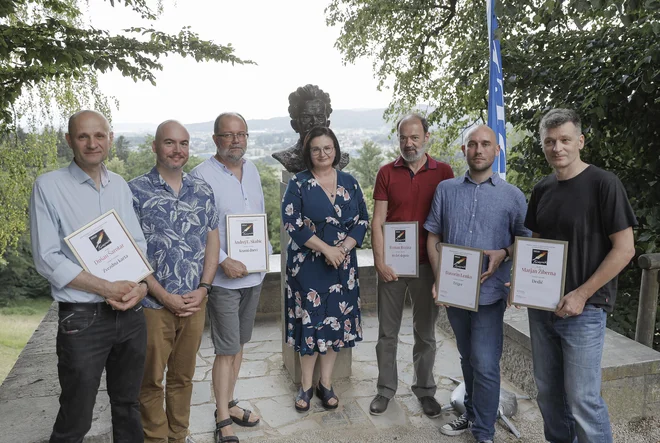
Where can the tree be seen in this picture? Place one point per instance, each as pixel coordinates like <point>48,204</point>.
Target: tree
<point>271,187</point>
<point>48,50</point>
<point>366,165</point>
<point>122,148</point>
<point>599,57</point>
<point>50,55</point>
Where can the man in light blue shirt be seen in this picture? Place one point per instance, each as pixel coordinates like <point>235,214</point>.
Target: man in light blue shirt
<point>235,295</point>
<point>483,211</point>
<point>101,323</point>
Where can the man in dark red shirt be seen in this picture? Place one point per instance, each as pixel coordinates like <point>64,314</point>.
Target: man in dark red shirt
<point>404,192</point>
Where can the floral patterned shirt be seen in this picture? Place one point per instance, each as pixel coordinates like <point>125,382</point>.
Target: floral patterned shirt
<point>175,227</point>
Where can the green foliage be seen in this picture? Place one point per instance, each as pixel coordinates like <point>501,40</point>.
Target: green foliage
<point>270,184</point>
<point>47,43</point>
<point>18,279</point>
<point>22,158</point>
<point>600,58</point>
<point>365,166</point>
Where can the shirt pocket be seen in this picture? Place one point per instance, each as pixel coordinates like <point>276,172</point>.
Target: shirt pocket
<point>75,322</point>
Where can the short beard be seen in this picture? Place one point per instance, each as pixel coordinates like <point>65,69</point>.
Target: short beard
<point>474,168</point>
<point>413,158</point>
<point>231,157</point>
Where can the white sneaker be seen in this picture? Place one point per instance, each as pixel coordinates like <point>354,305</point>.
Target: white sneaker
<point>456,427</point>
<point>189,439</point>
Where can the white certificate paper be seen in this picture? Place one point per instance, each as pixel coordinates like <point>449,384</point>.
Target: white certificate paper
<point>106,249</point>
<point>401,244</point>
<point>247,240</point>
<point>539,273</point>
<point>459,277</point>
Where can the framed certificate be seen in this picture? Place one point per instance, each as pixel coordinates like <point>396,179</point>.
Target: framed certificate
<point>247,240</point>
<point>539,273</point>
<point>106,249</point>
<point>459,277</point>
<point>401,244</point>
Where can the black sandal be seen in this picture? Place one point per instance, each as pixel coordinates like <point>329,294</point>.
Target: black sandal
<point>326,395</point>
<point>305,396</point>
<point>245,421</point>
<point>219,438</point>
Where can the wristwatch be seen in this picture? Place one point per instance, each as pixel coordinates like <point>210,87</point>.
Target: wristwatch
<point>506,251</point>
<point>206,286</point>
<point>346,250</point>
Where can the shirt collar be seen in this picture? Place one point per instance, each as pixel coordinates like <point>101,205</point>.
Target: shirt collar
<point>431,163</point>
<point>223,166</point>
<point>81,176</point>
<point>157,180</point>
<point>493,179</point>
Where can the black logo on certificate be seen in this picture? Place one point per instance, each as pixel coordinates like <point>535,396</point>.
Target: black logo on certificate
<point>247,229</point>
<point>100,240</point>
<point>399,235</point>
<point>460,261</point>
<point>540,257</point>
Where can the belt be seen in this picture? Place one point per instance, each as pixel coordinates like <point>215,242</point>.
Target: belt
<point>84,307</point>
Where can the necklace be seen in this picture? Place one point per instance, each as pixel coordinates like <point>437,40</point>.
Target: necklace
<point>331,194</point>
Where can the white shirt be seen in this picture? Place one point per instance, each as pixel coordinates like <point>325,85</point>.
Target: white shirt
<point>233,197</point>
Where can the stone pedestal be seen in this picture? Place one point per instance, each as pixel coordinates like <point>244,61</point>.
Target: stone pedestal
<point>289,356</point>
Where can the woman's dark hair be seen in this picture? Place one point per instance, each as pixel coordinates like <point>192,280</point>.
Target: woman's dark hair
<point>318,131</point>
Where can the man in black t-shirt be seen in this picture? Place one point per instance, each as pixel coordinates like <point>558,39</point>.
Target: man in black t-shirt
<point>589,208</point>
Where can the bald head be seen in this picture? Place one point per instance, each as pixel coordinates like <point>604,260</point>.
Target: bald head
<point>483,130</point>
<point>480,148</point>
<point>86,113</point>
<point>164,127</point>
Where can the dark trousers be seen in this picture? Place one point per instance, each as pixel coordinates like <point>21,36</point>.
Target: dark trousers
<point>87,342</point>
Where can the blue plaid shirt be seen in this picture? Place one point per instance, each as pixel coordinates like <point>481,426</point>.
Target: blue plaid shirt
<point>486,215</point>
<point>175,227</point>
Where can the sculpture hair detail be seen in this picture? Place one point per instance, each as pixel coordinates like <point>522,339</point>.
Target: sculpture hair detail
<point>307,93</point>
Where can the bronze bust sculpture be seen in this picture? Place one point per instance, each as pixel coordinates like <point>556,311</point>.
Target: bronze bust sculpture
<point>309,106</point>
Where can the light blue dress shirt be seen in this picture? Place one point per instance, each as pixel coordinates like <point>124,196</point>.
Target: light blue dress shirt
<point>62,202</point>
<point>233,197</point>
<point>486,215</point>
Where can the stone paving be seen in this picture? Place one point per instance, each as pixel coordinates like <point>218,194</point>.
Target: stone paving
<point>265,387</point>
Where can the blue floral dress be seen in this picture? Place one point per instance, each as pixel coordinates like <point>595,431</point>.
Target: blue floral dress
<point>323,303</point>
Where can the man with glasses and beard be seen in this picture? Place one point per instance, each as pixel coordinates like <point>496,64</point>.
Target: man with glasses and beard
<point>479,210</point>
<point>235,294</point>
<point>403,192</point>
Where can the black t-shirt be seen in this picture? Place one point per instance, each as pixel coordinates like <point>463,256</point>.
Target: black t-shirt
<point>584,210</point>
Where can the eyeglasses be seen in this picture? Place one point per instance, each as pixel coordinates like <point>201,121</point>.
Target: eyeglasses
<point>327,150</point>
<point>230,135</point>
<point>317,119</point>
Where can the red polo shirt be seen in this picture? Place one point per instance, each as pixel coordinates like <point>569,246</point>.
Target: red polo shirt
<point>409,196</point>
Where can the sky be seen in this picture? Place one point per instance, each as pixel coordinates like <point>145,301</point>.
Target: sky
<point>289,40</point>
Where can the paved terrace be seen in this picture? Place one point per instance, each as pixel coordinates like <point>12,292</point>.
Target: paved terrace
<point>29,395</point>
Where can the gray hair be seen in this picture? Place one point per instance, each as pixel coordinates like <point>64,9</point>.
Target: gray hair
<point>557,117</point>
<point>216,124</point>
<point>414,116</point>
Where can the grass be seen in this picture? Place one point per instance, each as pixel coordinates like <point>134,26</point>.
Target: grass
<point>17,323</point>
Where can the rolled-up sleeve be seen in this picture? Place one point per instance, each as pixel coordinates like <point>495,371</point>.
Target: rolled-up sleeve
<point>49,259</point>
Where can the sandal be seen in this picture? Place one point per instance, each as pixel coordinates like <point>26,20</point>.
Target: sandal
<point>245,421</point>
<point>219,438</point>
<point>326,395</point>
<point>305,396</point>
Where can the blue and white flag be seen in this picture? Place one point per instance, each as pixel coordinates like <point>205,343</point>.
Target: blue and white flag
<point>496,91</point>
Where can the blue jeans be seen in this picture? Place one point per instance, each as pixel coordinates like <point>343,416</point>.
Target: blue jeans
<point>567,369</point>
<point>479,341</point>
<point>87,343</point>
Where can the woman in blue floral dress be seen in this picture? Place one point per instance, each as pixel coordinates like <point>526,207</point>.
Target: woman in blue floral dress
<point>325,214</point>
